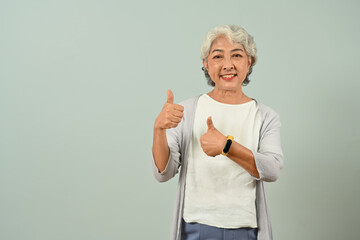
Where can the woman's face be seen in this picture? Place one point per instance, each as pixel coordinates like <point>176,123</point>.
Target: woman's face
<point>227,64</point>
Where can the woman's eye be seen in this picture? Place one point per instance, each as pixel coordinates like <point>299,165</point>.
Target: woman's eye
<point>237,55</point>
<point>217,57</point>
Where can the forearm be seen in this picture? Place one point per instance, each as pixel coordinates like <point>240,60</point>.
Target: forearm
<point>244,157</point>
<point>160,149</point>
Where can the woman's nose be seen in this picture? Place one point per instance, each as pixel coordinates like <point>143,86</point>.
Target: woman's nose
<point>228,65</point>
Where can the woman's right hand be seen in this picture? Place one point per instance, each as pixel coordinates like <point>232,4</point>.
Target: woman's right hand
<point>170,115</point>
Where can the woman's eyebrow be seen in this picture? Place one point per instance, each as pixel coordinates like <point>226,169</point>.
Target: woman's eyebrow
<point>237,49</point>
<point>217,50</point>
<point>234,50</point>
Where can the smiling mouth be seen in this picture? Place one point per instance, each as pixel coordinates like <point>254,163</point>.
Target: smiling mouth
<point>228,76</point>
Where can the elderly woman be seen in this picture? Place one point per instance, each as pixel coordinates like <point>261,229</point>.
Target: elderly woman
<point>226,143</point>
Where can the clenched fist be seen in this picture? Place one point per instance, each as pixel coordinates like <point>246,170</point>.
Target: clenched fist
<point>170,115</point>
<point>213,141</point>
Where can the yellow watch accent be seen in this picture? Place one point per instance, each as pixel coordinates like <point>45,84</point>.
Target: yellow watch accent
<point>229,140</point>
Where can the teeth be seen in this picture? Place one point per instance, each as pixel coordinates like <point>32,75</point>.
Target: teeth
<point>228,76</point>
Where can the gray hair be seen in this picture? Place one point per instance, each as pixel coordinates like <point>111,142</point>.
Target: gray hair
<point>236,34</point>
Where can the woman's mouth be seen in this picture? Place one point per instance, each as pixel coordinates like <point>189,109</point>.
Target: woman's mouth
<point>228,77</point>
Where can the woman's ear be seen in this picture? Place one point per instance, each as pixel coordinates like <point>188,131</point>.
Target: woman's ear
<point>250,61</point>
<point>205,64</point>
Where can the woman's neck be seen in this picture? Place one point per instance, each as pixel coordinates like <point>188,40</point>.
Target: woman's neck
<point>229,96</point>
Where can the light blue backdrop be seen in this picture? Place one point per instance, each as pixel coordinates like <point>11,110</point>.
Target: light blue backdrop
<point>81,83</point>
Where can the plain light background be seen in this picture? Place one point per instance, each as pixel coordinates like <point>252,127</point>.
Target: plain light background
<point>81,83</point>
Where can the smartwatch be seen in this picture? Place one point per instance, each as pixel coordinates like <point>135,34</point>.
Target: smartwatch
<point>229,140</point>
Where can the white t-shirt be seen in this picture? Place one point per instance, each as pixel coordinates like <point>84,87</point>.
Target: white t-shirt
<point>218,191</point>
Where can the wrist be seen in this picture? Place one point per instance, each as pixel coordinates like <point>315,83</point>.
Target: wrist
<point>226,147</point>
<point>159,129</point>
<point>222,144</point>
<point>157,125</point>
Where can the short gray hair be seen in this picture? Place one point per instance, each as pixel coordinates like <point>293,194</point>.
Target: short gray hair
<point>236,34</point>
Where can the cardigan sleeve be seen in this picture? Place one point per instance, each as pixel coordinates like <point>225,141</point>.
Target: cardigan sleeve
<point>269,156</point>
<point>178,139</point>
<point>174,162</point>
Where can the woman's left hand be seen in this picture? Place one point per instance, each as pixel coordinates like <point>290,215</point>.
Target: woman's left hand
<point>213,141</point>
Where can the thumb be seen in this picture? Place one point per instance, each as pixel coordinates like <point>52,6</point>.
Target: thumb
<point>210,123</point>
<point>170,98</point>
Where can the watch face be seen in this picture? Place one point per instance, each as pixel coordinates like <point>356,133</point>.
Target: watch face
<point>227,146</point>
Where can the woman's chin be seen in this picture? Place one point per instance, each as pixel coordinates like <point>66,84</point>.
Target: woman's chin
<point>228,86</point>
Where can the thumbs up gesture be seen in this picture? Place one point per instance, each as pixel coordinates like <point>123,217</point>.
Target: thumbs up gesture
<point>213,141</point>
<point>170,115</point>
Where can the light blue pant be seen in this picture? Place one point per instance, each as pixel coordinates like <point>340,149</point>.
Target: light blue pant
<point>197,231</point>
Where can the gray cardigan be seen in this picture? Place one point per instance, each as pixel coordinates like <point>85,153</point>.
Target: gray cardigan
<point>268,159</point>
